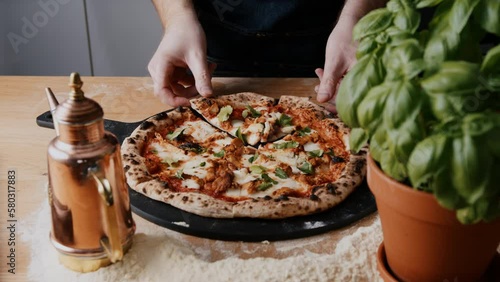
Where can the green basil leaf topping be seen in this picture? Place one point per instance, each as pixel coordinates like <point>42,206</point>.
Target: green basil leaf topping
<point>192,147</point>
<point>264,186</point>
<point>178,174</point>
<point>224,113</point>
<point>241,136</point>
<point>279,172</point>
<point>257,169</point>
<point>203,164</point>
<point>286,145</point>
<point>316,153</point>
<point>174,135</point>
<point>267,178</point>
<point>220,154</point>
<point>304,131</point>
<point>285,120</point>
<point>253,112</point>
<point>306,168</point>
<point>253,158</point>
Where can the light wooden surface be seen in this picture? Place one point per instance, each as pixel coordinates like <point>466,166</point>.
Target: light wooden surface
<point>23,147</point>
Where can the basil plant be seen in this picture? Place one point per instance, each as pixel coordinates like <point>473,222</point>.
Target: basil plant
<point>427,100</point>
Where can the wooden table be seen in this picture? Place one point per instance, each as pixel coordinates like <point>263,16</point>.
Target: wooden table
<point>23,147</point>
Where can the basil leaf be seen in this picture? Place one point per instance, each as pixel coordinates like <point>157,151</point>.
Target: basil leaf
<point>257,169</point>
<point>178,174</point>
<point>357,139</point>
<point>407,18</point>
<point>264,186</point>
<point>486,14</point>
<point>267,178</point>
<point>174,135</point>
<point>285,120</point>
<point>241,136</point>
<point>453,79</point>
<point>220,154</point>
<point>304,131</point>
<point>370,71</point>
<point>306,168</point>
<point>224,113</point>
<point>373,23</point>
<point>253,158</point>
<point>370,110</point>
<point>192,147</point>
<point>253,112</point>
<point>286,145</point>
<point>203,164</point>
<point>279,172</point>
<point>427,3</point>
<point>427,158</point>
<point>316,153</point>
<point>491,61</point>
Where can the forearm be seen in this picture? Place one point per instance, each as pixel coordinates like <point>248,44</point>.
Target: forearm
<point>169,9</point>
<point>356,9</point>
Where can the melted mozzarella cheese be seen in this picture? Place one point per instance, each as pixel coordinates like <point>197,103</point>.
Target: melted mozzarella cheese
<point>253,133</point>
<point>310,146</point>
<point>190,183</point>
<point>282,183</point>
<point>167,151</point>
<point>242,176</point>
<point>236,123</point>
<point>199,130</point>
<point>245,160</point>
<point>346,142</point>
<point>221,143</point>
<point>261,109</point>
<point>192,167</point>
<point>288,129</point>
<point>233,192</point>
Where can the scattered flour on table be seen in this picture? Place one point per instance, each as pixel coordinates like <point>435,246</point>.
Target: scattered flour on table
<point>158,256</point>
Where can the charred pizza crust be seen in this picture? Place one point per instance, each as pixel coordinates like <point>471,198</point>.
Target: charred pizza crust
<point>322,197</point>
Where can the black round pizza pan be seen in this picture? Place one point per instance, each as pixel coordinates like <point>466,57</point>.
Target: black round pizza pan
<point>355,207</point>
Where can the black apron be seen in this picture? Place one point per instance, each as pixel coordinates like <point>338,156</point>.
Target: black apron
<point>267,37</point>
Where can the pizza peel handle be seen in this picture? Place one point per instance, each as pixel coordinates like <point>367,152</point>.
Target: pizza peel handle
<point>121,129</point>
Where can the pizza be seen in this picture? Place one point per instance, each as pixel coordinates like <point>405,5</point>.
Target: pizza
<point>244,155</point>
<point>244,114</point>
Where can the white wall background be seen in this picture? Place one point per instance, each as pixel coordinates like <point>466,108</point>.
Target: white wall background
<point>123,35</point>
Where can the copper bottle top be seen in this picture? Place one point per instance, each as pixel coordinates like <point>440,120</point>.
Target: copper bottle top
<point>79,119</point>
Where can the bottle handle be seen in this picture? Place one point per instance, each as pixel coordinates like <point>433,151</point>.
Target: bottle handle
<point>111,242</point>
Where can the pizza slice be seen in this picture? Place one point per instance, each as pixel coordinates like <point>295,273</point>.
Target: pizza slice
<point>251,117</point>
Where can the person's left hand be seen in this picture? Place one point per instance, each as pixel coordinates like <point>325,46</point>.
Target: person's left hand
<point>339,58</point>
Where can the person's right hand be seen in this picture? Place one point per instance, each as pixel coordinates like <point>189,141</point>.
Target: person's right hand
<point>183,47</point>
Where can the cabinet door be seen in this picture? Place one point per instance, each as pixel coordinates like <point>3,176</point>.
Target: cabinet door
<point>124,35</point>
<point>45,37</point>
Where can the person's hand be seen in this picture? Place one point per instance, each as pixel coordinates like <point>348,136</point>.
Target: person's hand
<point>183,47</point>
<point>340,56</point>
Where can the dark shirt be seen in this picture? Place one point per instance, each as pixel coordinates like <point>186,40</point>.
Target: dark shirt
<point>267,37</point>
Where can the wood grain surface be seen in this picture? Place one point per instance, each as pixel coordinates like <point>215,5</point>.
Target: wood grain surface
<point>23,148</point>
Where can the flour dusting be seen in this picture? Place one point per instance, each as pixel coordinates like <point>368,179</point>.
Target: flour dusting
<point>158,254</point>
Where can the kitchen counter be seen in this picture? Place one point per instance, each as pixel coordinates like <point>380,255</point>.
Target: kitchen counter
<point>23,149</point>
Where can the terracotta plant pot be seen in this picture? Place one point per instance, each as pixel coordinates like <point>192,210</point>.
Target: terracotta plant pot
<point>425,242</point>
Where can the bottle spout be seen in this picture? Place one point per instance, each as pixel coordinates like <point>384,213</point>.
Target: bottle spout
<point>53,103</point>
